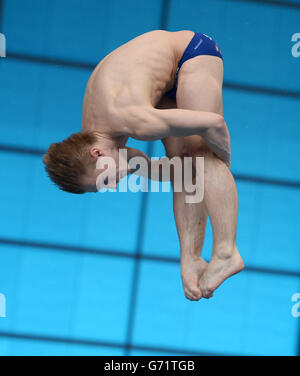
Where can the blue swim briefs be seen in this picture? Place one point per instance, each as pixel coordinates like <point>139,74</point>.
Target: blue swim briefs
<point>201,44</point>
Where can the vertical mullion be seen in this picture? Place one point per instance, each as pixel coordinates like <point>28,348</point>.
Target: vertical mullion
<point>1,15</point>
<point>143,214</point>
<point>137,264</point>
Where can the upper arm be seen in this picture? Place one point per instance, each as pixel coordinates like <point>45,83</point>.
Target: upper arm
<point>143,123</point>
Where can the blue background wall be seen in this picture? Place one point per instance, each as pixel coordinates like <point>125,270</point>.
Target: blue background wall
<point>70,267</point>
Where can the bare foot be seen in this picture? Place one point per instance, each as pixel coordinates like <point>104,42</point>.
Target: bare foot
<point>192,269</point>
<point>218,270</point>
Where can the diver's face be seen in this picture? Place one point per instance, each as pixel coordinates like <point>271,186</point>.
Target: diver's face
<point>110,169</point>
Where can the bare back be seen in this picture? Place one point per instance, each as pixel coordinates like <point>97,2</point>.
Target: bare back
<point>137,73</point>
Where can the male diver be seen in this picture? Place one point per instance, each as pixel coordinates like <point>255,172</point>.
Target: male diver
<point>163,86</point>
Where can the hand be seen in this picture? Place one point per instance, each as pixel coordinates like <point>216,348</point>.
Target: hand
<point>218,140</point>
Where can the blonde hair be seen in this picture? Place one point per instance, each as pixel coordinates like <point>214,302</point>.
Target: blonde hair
<point>66,162</point>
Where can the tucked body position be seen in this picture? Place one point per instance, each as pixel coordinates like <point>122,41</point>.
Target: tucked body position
<point>162,86</point>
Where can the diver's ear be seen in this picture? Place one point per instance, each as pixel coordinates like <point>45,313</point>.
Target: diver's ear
<point>96,153</point>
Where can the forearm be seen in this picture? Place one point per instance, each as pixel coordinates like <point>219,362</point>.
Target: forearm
<point>183,123</point>
<point>153,124</point>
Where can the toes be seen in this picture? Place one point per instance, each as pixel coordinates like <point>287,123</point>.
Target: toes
<point>208,296</point>
<point>206,288</point>
<point>208,293</point>
<point>191,298</point>
<point>192,293</point>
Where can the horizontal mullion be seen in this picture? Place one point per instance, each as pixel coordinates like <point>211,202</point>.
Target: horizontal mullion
<point>238,176</point>
<point>90,66</point>
<point>87,342</point>
<point>146,257</point>
<point>278,3</point>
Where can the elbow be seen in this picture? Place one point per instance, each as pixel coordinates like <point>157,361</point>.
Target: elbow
<point>220,122</point>
<point>135,132</point>
<point>141,133</point>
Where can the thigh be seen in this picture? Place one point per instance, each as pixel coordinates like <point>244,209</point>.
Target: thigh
<point>200,83</point>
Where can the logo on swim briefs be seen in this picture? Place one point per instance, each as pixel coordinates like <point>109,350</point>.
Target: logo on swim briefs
<point>2,45</point>
<point>2,306</point>
<point>296,307</point>
<point>296,46</point>
<point>186,173</point>
<point>199,44</point>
